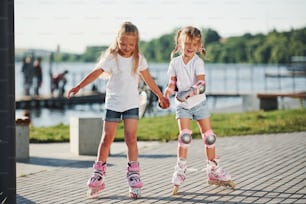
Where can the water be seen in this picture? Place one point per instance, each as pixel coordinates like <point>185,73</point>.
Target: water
<point>231,78</point>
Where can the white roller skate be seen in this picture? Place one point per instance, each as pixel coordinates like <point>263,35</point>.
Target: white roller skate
<point>217,176</point>
<point>133,176</point>
<point>96,181</point>
<point>179,175</point>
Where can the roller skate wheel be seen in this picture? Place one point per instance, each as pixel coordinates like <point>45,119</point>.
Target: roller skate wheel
<point>223,183</point>
<point>231,184</point>
<point>135,193</point>
<point>94,192</point>
<point>175,190</point>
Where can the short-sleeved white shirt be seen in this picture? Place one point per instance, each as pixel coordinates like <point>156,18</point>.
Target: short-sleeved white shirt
<point>186,77</point>
<point>122,86</point>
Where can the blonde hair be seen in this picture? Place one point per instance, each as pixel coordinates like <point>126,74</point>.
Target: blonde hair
<point>187,32</point>
<point>126,28</point>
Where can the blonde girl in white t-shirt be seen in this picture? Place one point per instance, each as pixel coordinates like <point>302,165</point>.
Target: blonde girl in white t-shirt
<point>123,63</point>
<point>187,78</point>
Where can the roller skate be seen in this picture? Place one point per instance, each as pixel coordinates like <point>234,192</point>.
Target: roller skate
<point>133,176</point>
<point>217,176</point>
<point>179,175</point>
<point>96,181</point>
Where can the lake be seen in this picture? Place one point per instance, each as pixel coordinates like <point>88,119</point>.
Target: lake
<point>230,78</point>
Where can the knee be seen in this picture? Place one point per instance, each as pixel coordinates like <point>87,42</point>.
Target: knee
<point>209,138</point>
<point>184,139</point>
<point>130,139</point>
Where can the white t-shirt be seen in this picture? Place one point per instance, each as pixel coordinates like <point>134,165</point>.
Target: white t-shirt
<point>122,86</point>
<point>186,77</point>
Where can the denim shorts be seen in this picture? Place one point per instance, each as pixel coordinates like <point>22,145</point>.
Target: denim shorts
<point>197,112</point>
<point>114,116</point>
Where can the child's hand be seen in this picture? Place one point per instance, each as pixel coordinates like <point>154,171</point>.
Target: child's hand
<point>164,102</point>
<point>73,91</point>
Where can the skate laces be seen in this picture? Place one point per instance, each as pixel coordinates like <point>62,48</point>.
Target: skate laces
<point>181,167</point>
<point>99,171</point>
<point>133,171</point>
<point>96,176</point>
<point>133,174</point>
<point>133,167</point>
<point>215,169</point>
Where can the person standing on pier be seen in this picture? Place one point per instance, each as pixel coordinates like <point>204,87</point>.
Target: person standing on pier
<point>38,76</point>
<point>187,78</point>
<point>59,82</point>
<point>28,71</point>
<point>122,64</point>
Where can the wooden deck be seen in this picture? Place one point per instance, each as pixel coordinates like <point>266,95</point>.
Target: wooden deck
<point>268,101</point>
<point>28,102</point>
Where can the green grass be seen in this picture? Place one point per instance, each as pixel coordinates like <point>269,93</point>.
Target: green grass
<point>164,128</point>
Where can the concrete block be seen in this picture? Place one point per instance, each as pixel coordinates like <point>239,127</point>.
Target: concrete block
<point>250,102</point>
<point>22,139</point>
<point>269,104</point>
<point>85,135</point>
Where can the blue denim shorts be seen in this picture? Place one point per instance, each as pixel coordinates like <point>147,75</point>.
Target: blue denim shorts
<point>197,112</point>
<point>114,116</point>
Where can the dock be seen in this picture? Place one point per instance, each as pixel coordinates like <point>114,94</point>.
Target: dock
<point>48,101</point>
<point>268,101</point>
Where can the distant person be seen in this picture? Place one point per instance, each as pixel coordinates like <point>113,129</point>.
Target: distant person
<point>187,76</point>
<point>38,77</point>
<point>123,63</point>
<point>28,71</point>
<point>58,83</point>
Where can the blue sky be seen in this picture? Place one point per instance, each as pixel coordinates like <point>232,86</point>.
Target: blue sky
<point>75,24</point>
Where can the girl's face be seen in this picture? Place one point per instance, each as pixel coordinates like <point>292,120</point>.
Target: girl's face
<point>127,45</point>
<point>190,46</point>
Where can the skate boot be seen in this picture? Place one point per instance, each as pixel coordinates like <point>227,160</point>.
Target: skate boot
<point>133,176</point>
<point>179,175</point>
<point>96,181</point>
<point>217,176</point>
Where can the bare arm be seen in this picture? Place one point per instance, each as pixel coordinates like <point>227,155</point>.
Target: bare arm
<point>93,75</point>
<point>171,87</point>
<point>146,76</point>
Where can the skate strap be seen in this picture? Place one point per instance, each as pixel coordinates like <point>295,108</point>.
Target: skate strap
<point>134,177</point>
<point>98,173</point>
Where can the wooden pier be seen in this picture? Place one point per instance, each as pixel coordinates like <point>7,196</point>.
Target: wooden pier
<point>268,101</point>
<point>28,102</point>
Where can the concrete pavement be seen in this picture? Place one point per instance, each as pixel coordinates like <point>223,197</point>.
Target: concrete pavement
<point>266,169</point>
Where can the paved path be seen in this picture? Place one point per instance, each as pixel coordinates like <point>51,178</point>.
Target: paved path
<point>266,169</point>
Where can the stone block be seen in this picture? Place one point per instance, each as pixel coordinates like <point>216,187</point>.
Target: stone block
<point>85,135</point>
<point>22,139</point>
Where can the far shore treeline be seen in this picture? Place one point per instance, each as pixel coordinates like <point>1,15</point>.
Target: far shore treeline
<point>271,48</point>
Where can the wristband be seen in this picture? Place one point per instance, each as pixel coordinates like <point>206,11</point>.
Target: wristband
<point>172,82</point>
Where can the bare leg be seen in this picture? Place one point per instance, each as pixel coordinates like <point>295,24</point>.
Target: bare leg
<point>130,130</point>
<point>108,135</point>
<point>204,125</point>
<point>183,123</point>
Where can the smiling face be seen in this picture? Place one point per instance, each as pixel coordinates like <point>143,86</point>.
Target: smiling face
<point>127,44</point>
<point>190,46</point>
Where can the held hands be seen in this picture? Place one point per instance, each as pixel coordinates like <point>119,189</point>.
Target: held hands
<point>164,102</point>
<point>73,91</point>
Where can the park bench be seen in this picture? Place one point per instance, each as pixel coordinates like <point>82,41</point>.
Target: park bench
<point>269,101</point>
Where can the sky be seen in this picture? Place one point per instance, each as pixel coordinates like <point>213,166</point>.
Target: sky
<point>75,24</point>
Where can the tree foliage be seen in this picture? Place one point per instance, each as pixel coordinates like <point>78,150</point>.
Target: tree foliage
<point>274,47</point>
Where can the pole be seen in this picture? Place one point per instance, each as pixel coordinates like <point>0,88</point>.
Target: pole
<point>7,105</point>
